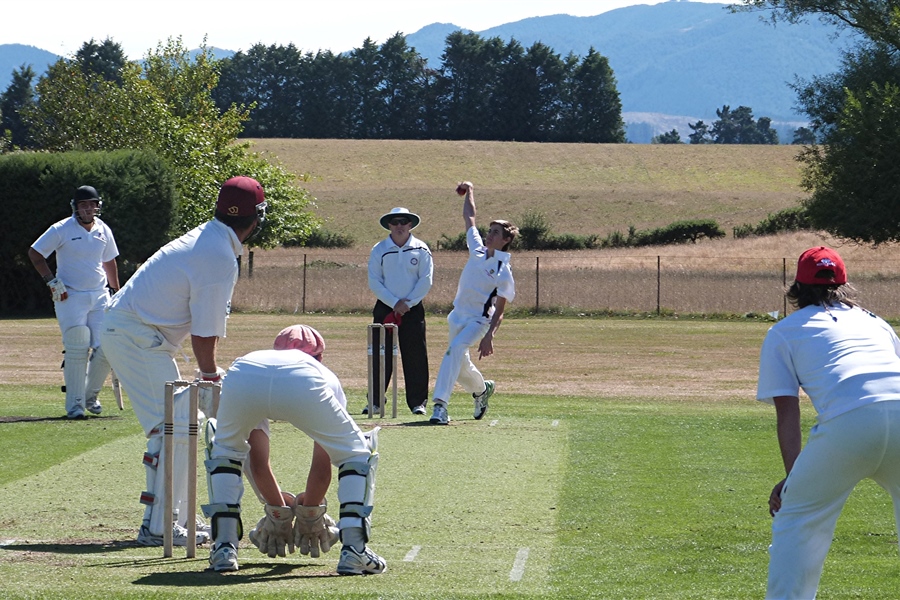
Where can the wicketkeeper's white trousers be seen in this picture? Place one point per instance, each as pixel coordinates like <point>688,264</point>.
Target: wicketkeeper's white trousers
<point>297,394</point>
<point>861,444</point>
<point>457,366</point>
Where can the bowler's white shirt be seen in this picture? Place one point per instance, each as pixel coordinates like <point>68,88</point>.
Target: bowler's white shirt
<point>80,253</point>
<point>843,358</point>
<point>481,277</point>
<point>186,286</point>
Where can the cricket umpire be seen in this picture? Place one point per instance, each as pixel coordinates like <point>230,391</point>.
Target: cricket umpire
<point>847,360</point>
<point>183,290</point>
<point>290,383</point>
<point>400,276</point>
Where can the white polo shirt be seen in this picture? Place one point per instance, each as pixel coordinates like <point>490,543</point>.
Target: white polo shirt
<point>80,253</point>
<point>482,279</point>
<point>397,272</point>
<point>843,358</point>
<point>186,286</point>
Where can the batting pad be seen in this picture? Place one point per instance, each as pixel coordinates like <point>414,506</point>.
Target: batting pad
<point>77,342</point>
<point>97,372</point>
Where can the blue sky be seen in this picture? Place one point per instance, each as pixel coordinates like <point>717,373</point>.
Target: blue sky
<point>62,26</point>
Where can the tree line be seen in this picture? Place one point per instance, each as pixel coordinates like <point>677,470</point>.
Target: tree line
<point>484,89</point>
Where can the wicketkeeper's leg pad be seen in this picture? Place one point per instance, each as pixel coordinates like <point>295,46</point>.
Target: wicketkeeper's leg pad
<point>356,493</point>
<point>225,491</point>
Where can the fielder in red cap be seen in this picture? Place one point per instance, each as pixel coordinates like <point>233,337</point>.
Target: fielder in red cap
<point>183,290</point>
<point>847,360</point>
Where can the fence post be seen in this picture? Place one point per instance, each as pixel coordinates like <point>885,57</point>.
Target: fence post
<point>783,284</point>
<point>250,264</point>
<point>658,285</point>
<point>537,283</point>
<point>303,302</point>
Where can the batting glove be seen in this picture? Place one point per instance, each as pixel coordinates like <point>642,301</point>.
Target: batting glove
<point>314,530</point>
<point>58,289</point>
<point>273,532</point>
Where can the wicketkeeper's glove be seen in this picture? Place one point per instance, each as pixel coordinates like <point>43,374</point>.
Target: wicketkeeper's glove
<point>57,289</point>
<point>314,529</point>
<point>273,532</point>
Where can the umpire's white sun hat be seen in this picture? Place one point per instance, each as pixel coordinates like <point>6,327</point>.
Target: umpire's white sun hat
<point>399,211</point>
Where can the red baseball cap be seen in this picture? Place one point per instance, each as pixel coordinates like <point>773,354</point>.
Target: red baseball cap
<point>301,337</point>
<point>816,266</point>
<point>240,197</point>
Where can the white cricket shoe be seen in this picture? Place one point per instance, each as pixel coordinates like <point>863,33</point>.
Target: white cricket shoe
<point>440,416</point>
<point>481,400</point>
<point>93,406</point>
<point>356,563</point>
<point>223,558</point>
<point>179,536</point>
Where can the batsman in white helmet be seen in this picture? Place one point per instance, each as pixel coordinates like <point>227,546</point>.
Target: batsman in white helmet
<point>85,270</point>
<point>183,290</point>
<point>290,383</point>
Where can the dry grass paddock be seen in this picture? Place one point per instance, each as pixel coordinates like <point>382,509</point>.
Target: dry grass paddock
<point>580,188</point>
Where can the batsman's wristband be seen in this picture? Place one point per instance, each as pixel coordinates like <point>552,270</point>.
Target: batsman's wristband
<point>210,376</point>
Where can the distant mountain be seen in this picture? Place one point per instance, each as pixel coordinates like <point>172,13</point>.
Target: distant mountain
<point>14,56</point>
<point>675,62</point>
<point>680,61</point>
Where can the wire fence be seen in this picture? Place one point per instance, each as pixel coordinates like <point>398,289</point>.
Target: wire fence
<point>288,280</point>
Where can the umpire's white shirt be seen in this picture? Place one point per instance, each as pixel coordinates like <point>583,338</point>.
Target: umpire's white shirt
<point>186,286</point>
<point>80,253</point>
<point>843,358</point>
<point>482,279</point>
<point>397,272</point>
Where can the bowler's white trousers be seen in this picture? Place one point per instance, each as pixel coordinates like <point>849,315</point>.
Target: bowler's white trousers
<point>457,366</point>
<point>863,443</point>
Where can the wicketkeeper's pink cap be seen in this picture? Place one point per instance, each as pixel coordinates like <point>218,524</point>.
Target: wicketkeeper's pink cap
<point>821,266</point>
<point>303,338</point>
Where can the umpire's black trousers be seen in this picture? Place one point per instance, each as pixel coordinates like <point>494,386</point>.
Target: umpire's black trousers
<point>413,353</point>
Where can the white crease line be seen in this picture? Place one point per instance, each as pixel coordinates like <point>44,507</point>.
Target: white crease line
<point>554,423</point>
<point>494,422</point>
<point>519,565</point>
<point>7,542</point>
<point>411,555</point>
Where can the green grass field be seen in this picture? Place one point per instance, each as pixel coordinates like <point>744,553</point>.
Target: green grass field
<point>626,459</point>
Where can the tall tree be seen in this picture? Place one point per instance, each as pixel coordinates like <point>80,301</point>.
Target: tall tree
<point>167,108</point>
<point>18,97</point>
<point>402,83</point>
<point>595,112</point>
<point>852,176</point>
<point>370,109</point>
<point>105,59</point>
<point>701,133</point>
<point>468,77</point>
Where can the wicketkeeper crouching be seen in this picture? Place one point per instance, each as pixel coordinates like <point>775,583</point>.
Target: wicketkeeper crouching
<point>289,383</point>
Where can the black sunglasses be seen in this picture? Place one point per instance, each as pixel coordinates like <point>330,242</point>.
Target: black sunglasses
<point>399,221</point>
